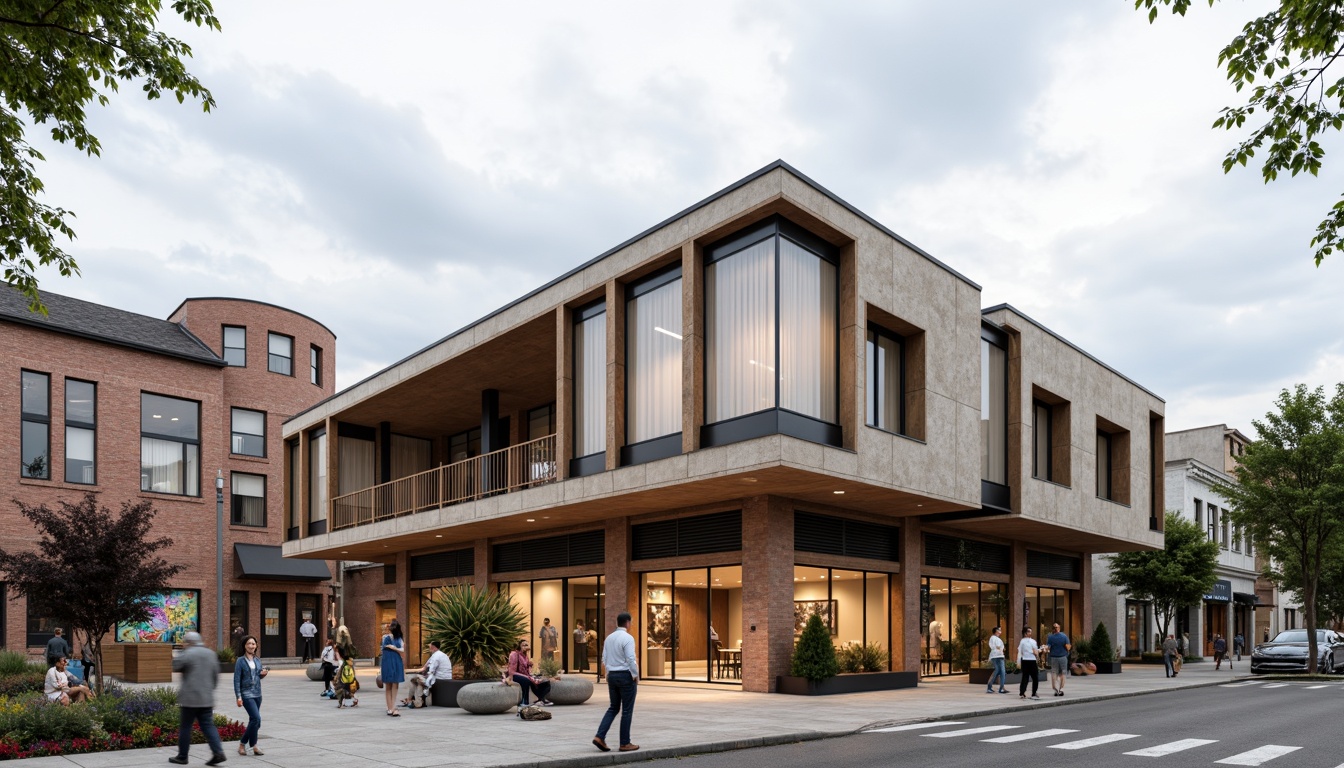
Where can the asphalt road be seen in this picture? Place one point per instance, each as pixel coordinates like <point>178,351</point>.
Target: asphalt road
<point>1271,723</point>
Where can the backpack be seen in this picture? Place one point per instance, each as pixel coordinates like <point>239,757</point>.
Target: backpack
<point>534,712</point>
<point>347,677</point>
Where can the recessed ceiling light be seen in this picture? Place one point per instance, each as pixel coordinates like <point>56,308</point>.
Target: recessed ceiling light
<point>438,535</point>
<point>748,479</point>
<point>838,493</point>
<point>345,551</point>
<point>531,519</point>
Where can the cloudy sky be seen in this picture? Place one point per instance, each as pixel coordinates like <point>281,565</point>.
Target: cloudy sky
<point>398,170</point>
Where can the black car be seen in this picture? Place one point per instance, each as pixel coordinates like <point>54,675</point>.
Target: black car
<point>1288,652</point>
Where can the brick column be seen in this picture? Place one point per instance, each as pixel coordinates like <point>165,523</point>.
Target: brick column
<point>1085,577</point>
<point>615,373</point>
<point>620,585</point>
<point>905,601</point>
<point>767,591</point>
<point>1017,595</point>
<point>481,566</point>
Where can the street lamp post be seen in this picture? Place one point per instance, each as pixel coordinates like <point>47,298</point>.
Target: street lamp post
<point>219,557</point>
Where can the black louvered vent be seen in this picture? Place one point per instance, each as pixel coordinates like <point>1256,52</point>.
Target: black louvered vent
<point>1047,565</point>
<point>719,532</point>
<point>444,565</point>
<point>390,573</point>
<point>966,554</point>
<point>585,548</point>
<point>838,536</point>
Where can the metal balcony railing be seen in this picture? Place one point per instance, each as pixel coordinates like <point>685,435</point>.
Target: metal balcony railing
<point>503,471</point>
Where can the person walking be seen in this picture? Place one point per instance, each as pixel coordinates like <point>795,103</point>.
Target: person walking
<point>238,634</point>
<point>519,671</point>
<point>1169,650</point>
<point>57,647</point>
<point>328,669</point>
<point>1219,651</point>
<point>196,698</point>
<point>1238,642</point>
<point>997,660</point>
<point>1059,646</point>
<point>308,630</point>
<point>580,646</point>
<point>393,666</point>
<point>550,639</point>
<point>247,674</point>
<point>1026,659</point>
<point>618,656</point>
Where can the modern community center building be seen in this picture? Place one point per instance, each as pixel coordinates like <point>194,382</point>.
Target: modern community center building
<point>766,407</point>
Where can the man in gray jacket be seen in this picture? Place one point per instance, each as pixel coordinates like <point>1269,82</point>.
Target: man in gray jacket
<point>196,698</point>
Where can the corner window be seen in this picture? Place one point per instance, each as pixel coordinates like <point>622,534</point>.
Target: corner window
<point>235,345</point>
<point>590,380</point>
<point>81,431</point>
<point>315,365</point>
<point>35,426</point>
<point>249,432</point>
<point>653,367</point>
<point>170,445</point>
<point>249,499</point>
<point>885,390</point>
<point>280,357</point>
<point>993,406</point>
<point>1041,450</point>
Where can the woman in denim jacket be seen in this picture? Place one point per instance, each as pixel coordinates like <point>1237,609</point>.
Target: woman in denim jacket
<point>247,674</point>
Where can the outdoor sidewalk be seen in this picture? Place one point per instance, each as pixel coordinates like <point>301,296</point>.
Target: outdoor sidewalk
<point>300,729</point>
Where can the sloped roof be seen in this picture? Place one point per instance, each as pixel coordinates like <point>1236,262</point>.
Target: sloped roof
<point>85,319</point>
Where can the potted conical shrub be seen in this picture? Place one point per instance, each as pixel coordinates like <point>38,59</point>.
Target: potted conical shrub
<point>1103,651</point>
<point>476,628</point>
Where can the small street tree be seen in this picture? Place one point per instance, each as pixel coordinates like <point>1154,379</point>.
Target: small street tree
<point>92,568</point>
<point>1289,494</point>
<point>1178,575</point>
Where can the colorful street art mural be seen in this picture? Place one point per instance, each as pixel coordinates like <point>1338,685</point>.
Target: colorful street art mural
<point>171,615</point>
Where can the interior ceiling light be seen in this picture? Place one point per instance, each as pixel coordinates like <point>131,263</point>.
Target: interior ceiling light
<point>676,336</point>
<point>438,535</point>
<point>838,493</point>
<point>748,479</point>
<point>531,519</point>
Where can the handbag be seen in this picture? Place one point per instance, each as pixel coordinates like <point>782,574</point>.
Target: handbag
<point>378,681</point>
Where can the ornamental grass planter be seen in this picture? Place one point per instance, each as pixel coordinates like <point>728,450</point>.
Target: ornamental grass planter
<point>489,698</point>
<point>573,689</point>
<point>859,682</point>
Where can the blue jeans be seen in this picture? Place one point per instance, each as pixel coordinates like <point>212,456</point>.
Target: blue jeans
<point>1000,673</point>
<point>205,716</point>
<point>1166,659</point>
<point>621,687</point>
<point>253,707</point>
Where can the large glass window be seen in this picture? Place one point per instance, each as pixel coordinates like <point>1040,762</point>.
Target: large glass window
<point>249,432</point>
<point>249,499</point>
<point>885,391</point>
<point>852,604</point>
<point>692,624</point>
<point>653,359</point>
<point>81,424</point>
<point>170,437</point>
<point>317,482</point>
<point>294,484</point>
<point>1049,606</point>
<point>464,445</point>
<point>956,620</point>
<point>235,345</point>
<point>541,422</point>
<point>1138,618</point>
<point>280,357</point>
<point>315,364</point>
<point>993,411</point>
<point>590,381</point>
<point>35,429</point>
<point>574,607</point>
<point>771,314</point>
<point>1040,438</point>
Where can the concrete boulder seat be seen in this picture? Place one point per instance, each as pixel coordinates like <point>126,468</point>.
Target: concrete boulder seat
<point>489,698</point>
<point>574,689</point>
<point>314,671</point>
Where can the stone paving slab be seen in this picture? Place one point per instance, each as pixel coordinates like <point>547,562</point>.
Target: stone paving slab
<point>300,729</point>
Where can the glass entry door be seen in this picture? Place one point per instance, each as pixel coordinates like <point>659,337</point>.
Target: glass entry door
<point>692,623</point>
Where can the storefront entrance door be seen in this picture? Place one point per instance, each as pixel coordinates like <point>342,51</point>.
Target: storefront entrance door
<point>273,634</point>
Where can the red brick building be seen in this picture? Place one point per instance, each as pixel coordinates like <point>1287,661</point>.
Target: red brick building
<point>130,408</point>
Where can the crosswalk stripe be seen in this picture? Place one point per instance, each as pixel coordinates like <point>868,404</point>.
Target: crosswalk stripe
<point>917,726</point>
<point>1032,735</point>
<point>970,731</point>
<point>1278,685</point>
<point>1239,685</point>
<point>1316,687</point>
<point>1258,756</point>
<point>1094,741</point>
<point>1175,746</point>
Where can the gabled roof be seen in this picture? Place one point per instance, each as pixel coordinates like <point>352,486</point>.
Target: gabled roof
<point>87,320</point>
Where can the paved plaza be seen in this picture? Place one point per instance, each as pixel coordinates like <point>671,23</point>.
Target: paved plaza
<point>300,729</point>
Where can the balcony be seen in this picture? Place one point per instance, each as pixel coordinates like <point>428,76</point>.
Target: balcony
<point>510,469</point>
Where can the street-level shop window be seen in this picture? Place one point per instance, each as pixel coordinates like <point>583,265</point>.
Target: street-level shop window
<point>35,426</point>
<point>170,445</point>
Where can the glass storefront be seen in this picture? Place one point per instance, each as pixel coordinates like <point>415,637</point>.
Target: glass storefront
<point>1138,618</point>
<point>956,618</point>
<point>566,602</point>
<point>1049,606</point>
<point>691,624</point>
<point>855,605</point>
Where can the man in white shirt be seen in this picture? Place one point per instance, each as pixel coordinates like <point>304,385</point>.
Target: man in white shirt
<point>309,632</point>
<point>438,667</point>
<point>618,656</point>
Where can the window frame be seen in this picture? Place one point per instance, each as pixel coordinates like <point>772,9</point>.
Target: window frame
<point>551,416</point>
<point>90,426</point>
<point>234,433</point>
<point>31,417</point>
<point>668,444</point>
<point>270,356</point>
<point>1105,472</point>
<point>1037,405</point>
<point>594,461</point>
<point>182,441</point>
<point>234,499</point>
<point>315,365</point>
<point>993,493</point>
<point>872,411</point>
<point>224,344</point>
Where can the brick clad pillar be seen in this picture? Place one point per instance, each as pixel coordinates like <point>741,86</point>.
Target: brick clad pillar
<point>618,582</point>
<point>481,567</point>
<point>1085,595</point>
<point>905,605</point>
<point>1017,596</point>
<point>767,591</point>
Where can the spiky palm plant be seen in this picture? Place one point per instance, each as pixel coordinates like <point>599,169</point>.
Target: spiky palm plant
<point>476,627</point>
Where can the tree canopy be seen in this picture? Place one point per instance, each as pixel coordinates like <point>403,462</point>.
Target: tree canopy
<point>1289,493</point>
<point>60,55</point>
<point>1290,51</point>
<point>1178,575</point>
<point>92,568</point>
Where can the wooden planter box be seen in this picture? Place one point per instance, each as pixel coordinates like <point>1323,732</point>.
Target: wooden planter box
<point>1108,667</point>
<point>114,660</point>
<point>148,662</point>
<point>862,682</point>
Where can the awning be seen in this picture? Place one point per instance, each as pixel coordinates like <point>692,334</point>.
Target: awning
<point>1243,598</point>
<point>261,561</point>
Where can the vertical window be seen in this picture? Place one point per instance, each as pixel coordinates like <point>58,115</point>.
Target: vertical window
<point>280,358</point>
<point>885,360</point>
<point>315,364</point>
<point>590,380</point>
<point>317,482</point>
<point>993,406</point>
<point>170,437</point>
<point>740,322</point>
<point>81,419</point>
<point>1199,514</point>
<point>249,432</point>
<point>1236,537</point>
<point>35,429</point>
<point>1223,538</point>
<point>294,485</point>
<point>235,345</point>
<point>1041,433</point>
<point>1213,524</point>
<point>807,333</point>
<point>249,499</point>
<point>653,358</point>
<point>541,422</point>
<point>1103,465</point>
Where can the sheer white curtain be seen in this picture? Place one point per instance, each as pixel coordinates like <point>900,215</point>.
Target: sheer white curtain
<point>410,456</point>
<point>79,455</point>
<point>590,386</point>
<point>167,466</point>
<point>993,413</point>
<point>249,499</point>
<point>355,465</point>
<point>317,479</point>
<point>807,318</point>
<point>740,332</point>
<point>654,364</point>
